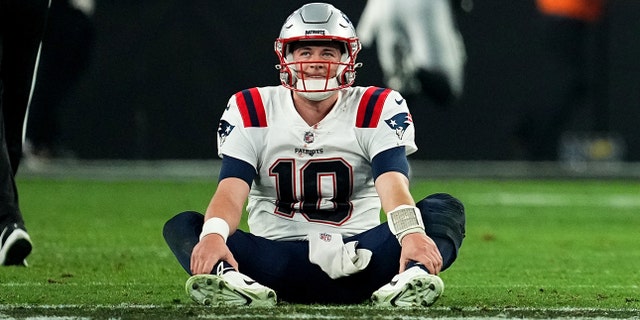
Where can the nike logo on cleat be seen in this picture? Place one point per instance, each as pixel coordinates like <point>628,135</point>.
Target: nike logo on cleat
<point>249,282</point>
<point>399,101</point>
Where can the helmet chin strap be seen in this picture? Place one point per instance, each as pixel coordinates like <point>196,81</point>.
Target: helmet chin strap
<point>315,85</point>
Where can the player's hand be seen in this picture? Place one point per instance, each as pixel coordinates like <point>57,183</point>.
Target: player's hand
<point>420,248</point>
<point>208,252</point>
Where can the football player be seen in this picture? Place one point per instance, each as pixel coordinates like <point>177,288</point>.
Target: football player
<point>317,159</point>
<point>22,25</point>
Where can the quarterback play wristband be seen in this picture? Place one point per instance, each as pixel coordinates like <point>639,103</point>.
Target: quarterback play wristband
<point>217,226</point>
<point>404,220</point>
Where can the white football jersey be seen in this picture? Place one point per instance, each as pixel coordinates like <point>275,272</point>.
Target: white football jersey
<point>314,178</point>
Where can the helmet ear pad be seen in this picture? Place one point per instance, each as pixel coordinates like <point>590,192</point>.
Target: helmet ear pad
<point>346,77</point>
<point>286,76</point>
<point>342,78</point>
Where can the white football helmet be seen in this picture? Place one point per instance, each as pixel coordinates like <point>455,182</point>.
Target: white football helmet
<point>317,22</point>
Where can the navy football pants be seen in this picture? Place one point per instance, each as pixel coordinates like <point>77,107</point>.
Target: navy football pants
<point>22,24</point>
<point>284,265</point>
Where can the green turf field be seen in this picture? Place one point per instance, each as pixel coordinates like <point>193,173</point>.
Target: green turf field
<point>537,249</point>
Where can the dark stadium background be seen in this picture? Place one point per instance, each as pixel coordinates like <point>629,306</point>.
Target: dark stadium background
<point>161,73</point>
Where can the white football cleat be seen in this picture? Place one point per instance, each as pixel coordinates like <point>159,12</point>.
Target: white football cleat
<point>15,246</point>
<point>229,288</point>
<point>414,287</point>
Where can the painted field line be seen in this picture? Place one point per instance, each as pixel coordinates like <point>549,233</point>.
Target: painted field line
<point>324,312</point>
<point>95,284</point>
<point>123,306</point>
<point>142,284</point>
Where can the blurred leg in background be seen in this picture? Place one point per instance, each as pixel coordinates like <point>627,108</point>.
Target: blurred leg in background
<point>67,46</point>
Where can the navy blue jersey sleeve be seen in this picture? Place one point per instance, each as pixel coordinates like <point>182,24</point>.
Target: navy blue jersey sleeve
<point>393,159</point>
<point>233,167</point>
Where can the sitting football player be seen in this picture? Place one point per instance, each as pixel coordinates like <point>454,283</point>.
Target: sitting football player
<point>316,159</point>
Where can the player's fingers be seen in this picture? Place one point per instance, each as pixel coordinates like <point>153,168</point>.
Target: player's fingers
<point>193,267</point>
<point>231,260</point>
<point>194,264</point>
<point>433,263</point>
<point>438,263</point>
<point>429,264</point>
<point>403,264</point>
<point>197,267</point>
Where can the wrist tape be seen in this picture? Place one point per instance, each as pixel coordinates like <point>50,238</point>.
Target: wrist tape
<point>217,226</point>
<point>404,220</point>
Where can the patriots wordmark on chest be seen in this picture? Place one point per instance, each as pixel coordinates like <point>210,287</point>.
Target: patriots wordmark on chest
<point>311,152</point>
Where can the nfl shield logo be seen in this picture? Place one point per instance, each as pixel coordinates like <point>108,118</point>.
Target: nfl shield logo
<point>325,237</point>
<point>308,137</point>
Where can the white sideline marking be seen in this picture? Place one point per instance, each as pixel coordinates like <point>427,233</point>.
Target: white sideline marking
<point>314,307</point>
<point>5,317</point>
<point>315,315</point>
<point>625,201</point>
<point>96,284</point>
<point>112,284</point>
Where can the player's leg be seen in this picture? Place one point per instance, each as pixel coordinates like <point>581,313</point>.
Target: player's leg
<point>223,286</point>
<point>15,243</point>
<point>22,27</point>
<point>24,21</point>
<point>182,233</point>
<point>283,266</point>
<point>444,219</point>
<point>280,265</point>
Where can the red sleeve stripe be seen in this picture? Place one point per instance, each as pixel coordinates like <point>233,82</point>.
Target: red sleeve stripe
<point>251,108</point>
<point>370,107</point>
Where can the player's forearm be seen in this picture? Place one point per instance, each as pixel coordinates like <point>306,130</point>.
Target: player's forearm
<point>393,189</point>
<point>228,202</point>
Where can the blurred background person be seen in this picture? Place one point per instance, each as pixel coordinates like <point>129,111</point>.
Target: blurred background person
<point>575,48</point>
<point>419,47</point>
<point>22,24</point>
<point>67,46</point>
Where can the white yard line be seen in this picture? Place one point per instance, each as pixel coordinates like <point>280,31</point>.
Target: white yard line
<point>114,284</point>
<point>322,312</point>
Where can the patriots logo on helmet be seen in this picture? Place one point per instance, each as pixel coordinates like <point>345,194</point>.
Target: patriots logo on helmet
<point>224,129</point>
<point>400,122</point>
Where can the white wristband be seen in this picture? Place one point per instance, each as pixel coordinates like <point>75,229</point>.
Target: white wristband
<point>217,226</point>
<point>404,220</point>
